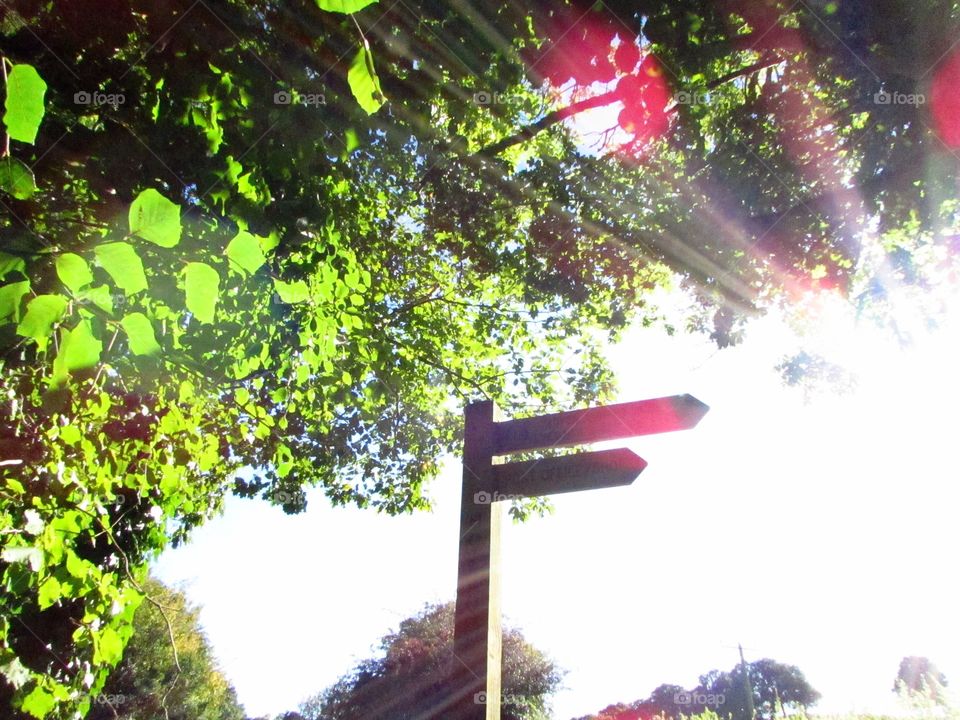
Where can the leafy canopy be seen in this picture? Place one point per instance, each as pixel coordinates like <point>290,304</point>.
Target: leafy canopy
<point>296,237</point>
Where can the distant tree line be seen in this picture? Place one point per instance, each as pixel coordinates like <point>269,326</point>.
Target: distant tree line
<point>760,689</point>
<point>157,680</point>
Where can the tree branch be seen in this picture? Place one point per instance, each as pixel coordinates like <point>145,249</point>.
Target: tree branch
<point>607,98</point>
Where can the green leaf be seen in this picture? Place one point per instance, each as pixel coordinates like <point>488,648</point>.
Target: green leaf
<point>244,250</point>
<point>122,263</point>
<point>156,219</point>
<point>11,263</point>
<point>42,312</point>
<point>17,179</point>
<point>109,649</point>
<point>78,567</point>
<point>79,349</point>
<point>99,296</point>
<point>48,593</point>
<point>30,555</point>
<point>73,271</point>
<point>364,83</point>
<point>140,334</point>
<point>38,703</point>
<point>202,284</point>
<point>351,140</point>
<point>24,105</point>
<point>10,296</point>
<point>344,6</point>
<point>294,292</point>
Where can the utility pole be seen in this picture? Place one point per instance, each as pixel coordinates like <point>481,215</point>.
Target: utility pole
<point>747,687</point>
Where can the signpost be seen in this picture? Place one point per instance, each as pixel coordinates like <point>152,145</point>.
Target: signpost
<point>474,691</point>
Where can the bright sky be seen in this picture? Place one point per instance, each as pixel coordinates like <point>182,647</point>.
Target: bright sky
<point>822,535</point>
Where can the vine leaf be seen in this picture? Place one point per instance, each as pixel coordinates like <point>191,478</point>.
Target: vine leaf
<point>364,83</point>
<point>79,349</point>
<point>39,702</point>
<point>244,250</point>
<point>108,647</point>
<point>202,285</point>
<point>344,6</point>
<point>24,103</point>
<point>99,296</point>
<point>156,219</point>
<point>122,263</point>
<point>10,297</point>
<point>73,271</point>
<point>42,312</point>
<point>140,334</point>
<point>17,179</point>
<point>11,263</point>
<point>295,292</point>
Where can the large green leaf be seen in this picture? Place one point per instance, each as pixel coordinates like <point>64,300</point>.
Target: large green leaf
<point>155,218</point>
<point>79,349</point>
<point>10,296</point>
<point>24,104</point>
<point>109,646</point>
<point>99,296</point>
<point>48,592</point>
<point>344,6</point>
<point>39,703</point>
<point>42,312</point>
<point>202,285</point>
<point>295,292</point>
<point>244,251</point>
<point>364,83</point>
<point>123,264</point>
<point>140,334</point>
<point>73,271</point>
<point>17,179</point>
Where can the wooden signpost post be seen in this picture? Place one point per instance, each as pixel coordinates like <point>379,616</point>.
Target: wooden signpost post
<point>474,690</point>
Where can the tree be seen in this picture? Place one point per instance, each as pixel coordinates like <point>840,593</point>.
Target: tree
<point>918,679</point>
<point>774,685</point>
<point>164,678</point>
<point>409,678</point>
<point>223,249</point>
<point>723,694</point>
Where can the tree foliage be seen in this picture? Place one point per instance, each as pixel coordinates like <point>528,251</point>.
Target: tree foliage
<point>921,681</point>
<point>167,671</point>
<point>409,678</point>
<point>775,687</point>
<point>296,236</point>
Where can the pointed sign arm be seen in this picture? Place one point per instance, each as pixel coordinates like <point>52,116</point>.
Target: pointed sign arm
<point>569,473</point>
<point>609,422</point>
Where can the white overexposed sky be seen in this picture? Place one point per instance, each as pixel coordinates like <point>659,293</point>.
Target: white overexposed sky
<point>821,534</point>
